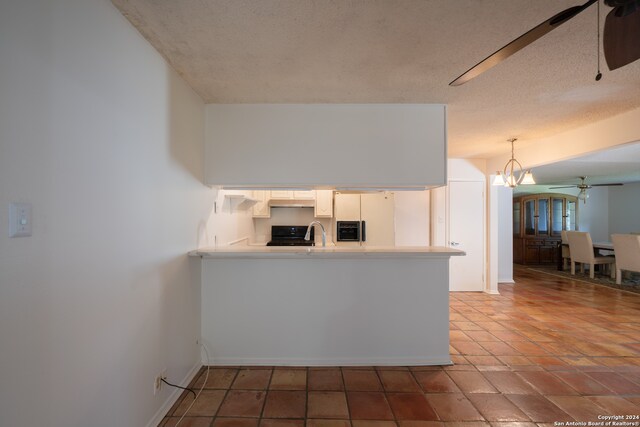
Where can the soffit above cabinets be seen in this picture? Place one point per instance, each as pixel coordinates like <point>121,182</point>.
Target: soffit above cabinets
<point>357,146</point>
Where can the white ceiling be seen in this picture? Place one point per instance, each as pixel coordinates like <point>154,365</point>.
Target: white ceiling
<point>395,51</point>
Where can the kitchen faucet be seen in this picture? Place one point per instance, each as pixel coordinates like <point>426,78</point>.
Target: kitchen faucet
<point>324,235</point>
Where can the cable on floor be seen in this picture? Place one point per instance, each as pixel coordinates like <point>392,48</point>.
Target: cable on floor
<point>206,378</point>
<point>177,386</point>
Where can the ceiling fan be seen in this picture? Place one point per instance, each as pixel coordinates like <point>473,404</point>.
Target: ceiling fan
<point>583,186</point>
<point>621,39</point>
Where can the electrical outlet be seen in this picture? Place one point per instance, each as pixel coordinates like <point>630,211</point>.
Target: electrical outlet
<point>157,385</point>
<point>157,382</point>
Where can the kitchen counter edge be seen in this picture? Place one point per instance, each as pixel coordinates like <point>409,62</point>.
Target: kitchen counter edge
<point>328,252</point>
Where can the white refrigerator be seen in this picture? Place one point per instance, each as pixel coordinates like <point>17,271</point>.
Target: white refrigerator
<point>364,219</point>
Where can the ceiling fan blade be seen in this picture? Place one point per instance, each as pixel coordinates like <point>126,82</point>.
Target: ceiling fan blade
<point>520,43</point>
<point>621,38</point>
<point>566,186</point>
<point>606,185</point>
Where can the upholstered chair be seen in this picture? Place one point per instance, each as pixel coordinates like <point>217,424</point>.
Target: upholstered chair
<point>581,248</point>
<point>627,250</point>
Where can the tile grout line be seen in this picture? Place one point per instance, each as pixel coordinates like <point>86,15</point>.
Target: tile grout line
<point>226,393</point>
<point>424,393</point>
<point>384,393</point>
<point>266,395</point>
<point>346,396</point>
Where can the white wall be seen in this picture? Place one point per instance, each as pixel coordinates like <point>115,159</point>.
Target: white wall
<point>505,234</point>
<point>466,169</point>
<point>105,141</point>
<point>593,216</point>
<point>624,209</point>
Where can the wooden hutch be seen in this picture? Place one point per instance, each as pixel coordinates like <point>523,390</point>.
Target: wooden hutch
<point>538,220</point>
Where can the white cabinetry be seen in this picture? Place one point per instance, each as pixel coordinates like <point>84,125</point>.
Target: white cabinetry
<point>324,204</point>
<point>292,195</point>
<point>323,201</point>
<point>304,195</point>
<point>347,207</point>
<point>281,195</point>
<point>261,208</point>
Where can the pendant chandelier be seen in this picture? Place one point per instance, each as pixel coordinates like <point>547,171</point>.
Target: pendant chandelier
<point>508,177</point>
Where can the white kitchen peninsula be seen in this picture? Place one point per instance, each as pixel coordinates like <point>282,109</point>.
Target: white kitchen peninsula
<point>326,306</point>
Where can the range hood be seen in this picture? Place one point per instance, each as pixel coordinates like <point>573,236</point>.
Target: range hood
<point>275,203</point>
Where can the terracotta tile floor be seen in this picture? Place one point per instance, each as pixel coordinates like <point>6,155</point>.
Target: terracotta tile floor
<point>547,349</point>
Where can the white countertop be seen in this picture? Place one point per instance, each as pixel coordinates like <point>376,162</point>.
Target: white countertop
<point>253,251</point>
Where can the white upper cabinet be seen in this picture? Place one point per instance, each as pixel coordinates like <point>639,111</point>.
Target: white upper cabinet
<point>304,195</point>
<point>261,209</point>
<point>347,207</point>
<point>324,204</point>
<point>321,200</point>
<point>334,145</point>
<point>281,194</point>
<point>292,195</point>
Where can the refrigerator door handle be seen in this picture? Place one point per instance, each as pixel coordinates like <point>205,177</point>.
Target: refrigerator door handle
<point>364,230</point>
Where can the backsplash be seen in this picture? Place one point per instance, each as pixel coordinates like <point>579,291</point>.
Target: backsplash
<point>290,216</point>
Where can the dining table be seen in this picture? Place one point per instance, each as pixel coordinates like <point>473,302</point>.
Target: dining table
<point>603,245</point>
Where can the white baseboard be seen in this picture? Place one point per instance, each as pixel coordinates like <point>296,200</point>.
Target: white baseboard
<point>510,282</point>
<point>173,397</point>
<point>492,291</point>
<point>391,361</point>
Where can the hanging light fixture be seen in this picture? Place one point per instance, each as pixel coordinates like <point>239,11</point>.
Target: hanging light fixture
<point>508,177</point>
<point>583,195</point>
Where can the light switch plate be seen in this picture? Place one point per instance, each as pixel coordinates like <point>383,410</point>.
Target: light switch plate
<point>20,220</point>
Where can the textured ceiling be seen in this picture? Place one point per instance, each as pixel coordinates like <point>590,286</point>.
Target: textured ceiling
<point>395,51</point>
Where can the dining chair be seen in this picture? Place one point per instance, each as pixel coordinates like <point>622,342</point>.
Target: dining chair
<point>564,249</point>
<point>627,251</point>
<point>581,248</point>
